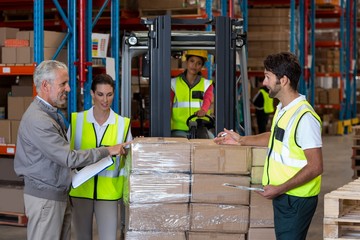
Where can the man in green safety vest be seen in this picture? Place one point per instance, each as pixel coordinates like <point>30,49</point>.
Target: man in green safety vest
<point>294,163</point>
<point>264,105</point>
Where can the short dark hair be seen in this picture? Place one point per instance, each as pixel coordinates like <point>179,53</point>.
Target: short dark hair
<point>102,79</point>
<point>284,64</point>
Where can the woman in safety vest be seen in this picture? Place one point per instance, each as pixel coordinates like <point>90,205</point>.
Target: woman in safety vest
<point>190,93</point>
<point>99,126</point>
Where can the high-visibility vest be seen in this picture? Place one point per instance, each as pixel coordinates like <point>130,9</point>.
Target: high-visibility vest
<point>186,101</point>
<point>108,184</point>
<point>268,102</point>
<point>285,157</point>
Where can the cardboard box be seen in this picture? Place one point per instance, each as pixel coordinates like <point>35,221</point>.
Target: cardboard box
<point>25,35</point>
<point>261,211</point>
<point>7,172</point>
<point>99,44</point>
<point>24,55</point>
<point>25,80</point>
<point>221,159</point>
<point>5,130</point>
<point>52,39</point>
<point>17,106</point>
<point>207,188</point>
<point>334,95</point>
<point>8,55</point>
<point>160,154</point>
<point>12,199</point>
<point>259,155</point>
<point>157,217</point>
<point>6,33</point>
<point>256,175</point>
<point>261,234</point>
<point>158,188</point>
<point>21,91</point>
<point>14,130</point>
<point>215,236</point>
<point>138,235</point>
<point>219,218</point>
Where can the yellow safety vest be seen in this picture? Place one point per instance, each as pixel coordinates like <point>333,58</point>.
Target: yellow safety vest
<point>285,157</point>
<point>186,101</point>
<point>268,102</point>
<point>108,184</point>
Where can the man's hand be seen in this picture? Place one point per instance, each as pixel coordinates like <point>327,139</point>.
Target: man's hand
<point>271,192</point>
<point>228,137</point>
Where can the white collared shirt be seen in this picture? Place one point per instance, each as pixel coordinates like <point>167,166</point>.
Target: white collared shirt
<point>308,133</point>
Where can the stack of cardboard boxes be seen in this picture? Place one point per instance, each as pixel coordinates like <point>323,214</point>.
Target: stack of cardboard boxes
<point>269,32</point>
<point>25,54</point>
<point>175,189</point>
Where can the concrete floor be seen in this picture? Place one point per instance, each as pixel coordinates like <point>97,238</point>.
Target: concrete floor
<point>337,152</point>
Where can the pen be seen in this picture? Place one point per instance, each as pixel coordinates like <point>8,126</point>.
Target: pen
<point>224,134</point>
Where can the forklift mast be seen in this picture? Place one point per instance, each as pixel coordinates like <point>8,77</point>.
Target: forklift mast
<point>227,44</point>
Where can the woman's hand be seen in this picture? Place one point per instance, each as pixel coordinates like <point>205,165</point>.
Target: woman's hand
<point>200,113</point>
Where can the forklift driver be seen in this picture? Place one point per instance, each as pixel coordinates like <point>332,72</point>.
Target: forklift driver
<point>190,94</point>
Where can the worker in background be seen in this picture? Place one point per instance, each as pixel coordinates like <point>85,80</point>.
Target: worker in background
<point>43,156</point>
<point>99,196</point>
<point>293,167</point>
<point>264,105</point>
<point>190,93</point>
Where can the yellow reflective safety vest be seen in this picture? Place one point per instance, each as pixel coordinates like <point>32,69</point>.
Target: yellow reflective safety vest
<point>268,102</point>
<point>108,184</point>
<point>186,101</point>
<point>285,158</point>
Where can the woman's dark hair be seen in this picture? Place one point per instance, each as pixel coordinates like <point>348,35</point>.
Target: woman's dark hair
<point>102,79</point>
<point>284,64</point>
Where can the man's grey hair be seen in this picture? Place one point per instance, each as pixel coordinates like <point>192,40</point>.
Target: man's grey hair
<point>46,70</point>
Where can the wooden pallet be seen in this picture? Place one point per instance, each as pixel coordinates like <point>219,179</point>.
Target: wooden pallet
<point>12,218</point>
<point>342,212</point>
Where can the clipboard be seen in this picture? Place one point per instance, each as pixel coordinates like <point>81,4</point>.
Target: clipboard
<point>89,171</point>
<point>243,187</point>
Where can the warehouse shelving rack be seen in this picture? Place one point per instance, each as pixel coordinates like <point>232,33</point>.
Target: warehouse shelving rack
<point>80,65</point>
<point>346,13</point>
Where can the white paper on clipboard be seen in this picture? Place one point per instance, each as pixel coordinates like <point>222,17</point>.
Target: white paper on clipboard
<point>89,171</point>
<point>243,187</point>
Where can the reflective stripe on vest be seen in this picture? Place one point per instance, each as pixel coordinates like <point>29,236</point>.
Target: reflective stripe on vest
<point>108,184</point>
<point>286,158</point>
<point>184,104</point>
<point>268,102</point>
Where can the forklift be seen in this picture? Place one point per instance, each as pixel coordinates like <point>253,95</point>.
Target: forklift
<point>228,46</point>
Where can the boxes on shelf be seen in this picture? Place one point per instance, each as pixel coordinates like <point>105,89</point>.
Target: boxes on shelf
<point>21,91</point>
<point>52,39</point>
<point>17,106</point>
<point>8,55</point>
<point>5,130</point>
<point>6,32</point>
